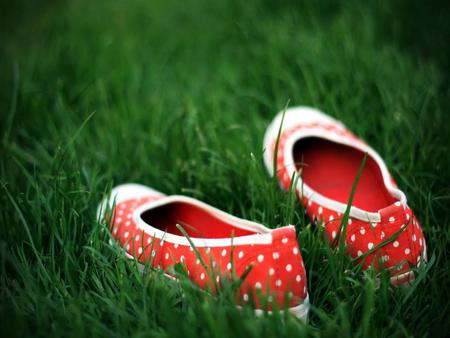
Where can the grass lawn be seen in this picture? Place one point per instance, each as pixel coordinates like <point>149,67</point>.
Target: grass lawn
<point>177,96</point>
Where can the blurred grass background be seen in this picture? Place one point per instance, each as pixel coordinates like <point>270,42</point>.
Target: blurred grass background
<point>177,96</point>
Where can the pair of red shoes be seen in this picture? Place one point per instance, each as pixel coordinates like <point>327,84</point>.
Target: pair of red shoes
<point>319,158</point>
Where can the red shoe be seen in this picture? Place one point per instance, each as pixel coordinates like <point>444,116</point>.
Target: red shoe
<point>326,157</point>
<point>145,222</point>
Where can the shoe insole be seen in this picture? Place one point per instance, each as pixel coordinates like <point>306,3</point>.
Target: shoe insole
<point>331,168</point>
<point>197,222</point>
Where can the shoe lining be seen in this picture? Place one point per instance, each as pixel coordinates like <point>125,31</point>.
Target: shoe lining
<point>197,222</point>
<point>330,169</point>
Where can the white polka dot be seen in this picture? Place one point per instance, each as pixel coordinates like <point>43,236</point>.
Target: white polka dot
<point>382,234</point>
<point>202,275</point>
<point>407,251</point>
<point>420,241</point>
<point>295,251</point>
<point>298,278</point>
<point>350,221</point>
<point>392,219</point>
<point>229,266</point>
<point>217,279</point>
<point>362,231</point>
<point>140,251</point>
<point>167,256</point>
<point>175,246</point>
<point>333,234</point>
<point>126,234</point>
<point>359,253</point>
<point>213,264</point>
<point>309,203</point>
<point>224,252</point>
<point>288,267</point>
<point>278,282</point>
<point>149,240</point>
<point>370,245</point>
<point>385,258</point>
<point>260,258</point>
<point>397,204</point>
<point>352,238</point>
<point>258,285</point>
<point>407,217</point>
<point>276,255</point>
<point>119,220</point>
<point>153,253</point>
<point>245,297</point>
<point>320,210</point>
<point>197,261</point>
<point>271,271</point>
<point>191,248</point>
<point>414,238</point>
<point>127,223</point>
<point>241,254</point>
<point>137,238</point>
<point>128,247</point>
<point>284,240</point>
<point>182,259</point>
<point>120,212</point>
<point>129,216</point>
<point>331,218</point>
<point>396,244</point>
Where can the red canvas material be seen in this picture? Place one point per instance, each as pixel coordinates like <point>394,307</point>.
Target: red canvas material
<point>324,157</point>
<point>146,227</point>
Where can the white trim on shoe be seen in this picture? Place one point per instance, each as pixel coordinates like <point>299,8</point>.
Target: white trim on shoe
<point>311,116</point>
<point>123,192</point>
<point>262,234</point>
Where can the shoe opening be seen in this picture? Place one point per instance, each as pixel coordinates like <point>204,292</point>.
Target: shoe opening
<point>196,221</point>
<point>330,169</point>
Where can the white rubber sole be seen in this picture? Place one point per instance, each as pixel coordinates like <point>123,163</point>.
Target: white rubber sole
<point>403,279</point>
<point>300,311</point>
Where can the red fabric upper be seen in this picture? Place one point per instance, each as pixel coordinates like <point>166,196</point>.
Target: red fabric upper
<point>277,273</point>
<point>396,241</point>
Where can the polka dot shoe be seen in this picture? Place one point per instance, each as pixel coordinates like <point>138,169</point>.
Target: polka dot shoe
<point>324,158</point>
<point>144,222</point>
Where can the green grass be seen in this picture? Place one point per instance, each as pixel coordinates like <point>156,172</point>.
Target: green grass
<point>177,96</point>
